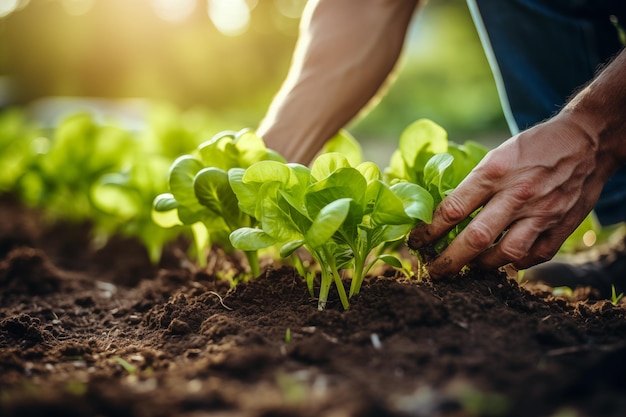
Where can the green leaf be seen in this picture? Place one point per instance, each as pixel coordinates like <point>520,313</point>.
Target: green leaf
<point>420,140</point>
<point>250,239</point>
<point>250,148</point>
<point>213,191</point>
<point>299,179</point>
<point>387,208</point>
<point>246,194</point>
<point>213,152</point>
<point>290,247</point>
<point>189,217</point>
<point>418,203</point>
<point>342,183</point>
<point>165,202</point>
<point>466,157</point>
<point>166,218</point>
<point>391,260</point>
<point>164,211</point>
<point>181,176</point>
<point>327,222</point>
<point>118,200</point>
<point>276,219</point>
<point>435,170</point>
<point>370,171</point>
<point>398,170</point>
<point>325,164</point>
<point>391,233</point>
<point>267,171</point>
<point>344,143</point>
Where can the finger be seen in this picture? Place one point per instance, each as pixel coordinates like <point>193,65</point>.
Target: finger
<point>456,207</point>
<point>512,247</point>
<point>477,236</point>
<point>544,248</point>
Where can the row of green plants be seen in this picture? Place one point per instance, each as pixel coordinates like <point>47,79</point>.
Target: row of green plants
<point>345,213</point>
<point>95,171</point>
<point>231,191</point>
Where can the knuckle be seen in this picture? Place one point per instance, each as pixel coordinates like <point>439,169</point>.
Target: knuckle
<point>512,251</point>
<point>523,191</point>
<point>494,167</point>
<point>543,254</point>
<point>452,210</point>
<point>478,236</point>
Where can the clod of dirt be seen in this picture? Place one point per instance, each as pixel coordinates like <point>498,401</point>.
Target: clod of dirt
<point>28,271</point>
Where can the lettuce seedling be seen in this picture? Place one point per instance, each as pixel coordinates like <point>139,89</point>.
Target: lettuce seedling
<point>273,193</point>
<point>128,195</point>
<point>200,193</point>
<point>379,213</point>
<point>65,167</point>
<point>337,212</point>
<point>426,157</point>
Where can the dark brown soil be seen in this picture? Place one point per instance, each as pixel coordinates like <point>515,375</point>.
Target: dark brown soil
<point>103,333</point>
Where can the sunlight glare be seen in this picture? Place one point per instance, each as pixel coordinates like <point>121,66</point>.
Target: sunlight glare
<point>8,6</point>
<point>589,238</point>
<point>77,7</point>
<point>230,17</point>
<point>174,10</point>
<point>290,8</point>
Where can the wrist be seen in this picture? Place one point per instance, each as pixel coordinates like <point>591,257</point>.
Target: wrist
<point>599,111</point>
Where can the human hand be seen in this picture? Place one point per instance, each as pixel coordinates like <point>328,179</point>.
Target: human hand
<point>534,190</point>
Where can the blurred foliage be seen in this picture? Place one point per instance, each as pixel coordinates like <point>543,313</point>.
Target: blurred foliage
<point>119,49</point>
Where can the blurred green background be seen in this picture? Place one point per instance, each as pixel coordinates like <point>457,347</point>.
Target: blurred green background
<point>221,62</point>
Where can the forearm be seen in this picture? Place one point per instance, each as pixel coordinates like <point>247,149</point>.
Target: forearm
<point>600,110</point>
<point>345,51</point>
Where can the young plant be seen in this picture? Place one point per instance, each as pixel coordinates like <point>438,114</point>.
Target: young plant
<point>273,193</point>
<point>200,193</point>
<point>426,157</point>
<point>337,212</point>
<point>61,173</point>
<point>127,197</point>
<point>615,298</point>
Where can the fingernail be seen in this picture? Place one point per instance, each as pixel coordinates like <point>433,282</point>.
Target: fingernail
<point>416,237</point>
<point>438,269</point>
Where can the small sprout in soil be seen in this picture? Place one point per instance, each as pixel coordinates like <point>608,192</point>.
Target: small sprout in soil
<point>131,369</point>
<point>615,298</point>
<point>288,335</point>
<point>562,292</point>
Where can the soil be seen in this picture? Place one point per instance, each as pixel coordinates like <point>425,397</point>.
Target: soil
<point>101,332</point>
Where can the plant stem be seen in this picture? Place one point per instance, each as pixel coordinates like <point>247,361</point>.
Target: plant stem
<point>341,290</point>
<point>253,261</point>
<point>420,266</point>
<point>339,284</point>
<point>309,276</point>
<point>324,288</point>
<point>357,279</point>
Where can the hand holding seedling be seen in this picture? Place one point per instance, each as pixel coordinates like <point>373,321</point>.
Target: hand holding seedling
<point>537,187</point>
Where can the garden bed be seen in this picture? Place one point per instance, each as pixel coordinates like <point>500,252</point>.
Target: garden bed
<point>88,332</point>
